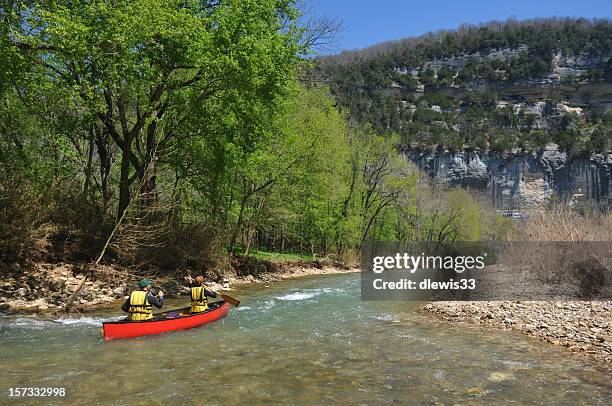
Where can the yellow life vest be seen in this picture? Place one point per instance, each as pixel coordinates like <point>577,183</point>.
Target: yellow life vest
<point>140,308</point>
<point>199,301</point>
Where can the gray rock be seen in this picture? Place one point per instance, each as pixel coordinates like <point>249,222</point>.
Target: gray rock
<point>21,292</point>
<point>57,285</point>
<point>33,283</point>
<point>517,179</point>
<point>552,159</point>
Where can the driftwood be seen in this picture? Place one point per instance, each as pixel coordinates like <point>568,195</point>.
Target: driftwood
<point>91,267</point>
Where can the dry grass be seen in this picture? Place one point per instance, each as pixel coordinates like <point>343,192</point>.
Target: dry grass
<point>559,246</point>
<point>561,224</point>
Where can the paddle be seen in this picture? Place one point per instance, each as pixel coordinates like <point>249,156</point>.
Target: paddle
<point>231,300</point>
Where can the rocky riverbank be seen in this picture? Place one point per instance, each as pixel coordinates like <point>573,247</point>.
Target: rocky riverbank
<point>582,327</point>
<point>45,288</point>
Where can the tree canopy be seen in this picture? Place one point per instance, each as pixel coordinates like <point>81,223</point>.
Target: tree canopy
<point>184,131</point>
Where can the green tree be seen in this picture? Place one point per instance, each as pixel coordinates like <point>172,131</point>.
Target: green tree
<point>142,69</point>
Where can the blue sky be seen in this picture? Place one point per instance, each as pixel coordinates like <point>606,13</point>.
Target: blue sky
<point>370,22</point>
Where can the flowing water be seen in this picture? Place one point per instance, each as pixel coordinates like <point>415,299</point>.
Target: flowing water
<point>307,341</point>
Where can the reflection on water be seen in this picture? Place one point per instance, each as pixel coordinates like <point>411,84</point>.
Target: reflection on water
<point>303,341</point>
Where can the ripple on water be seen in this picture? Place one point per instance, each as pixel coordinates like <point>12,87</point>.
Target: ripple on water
<point>26,323</point>
<point>310,293</point>
<point>298,296</point>
<point>33,323</point>
<point>267,305</point>
<point>92,321</point>
<point>388,317</point>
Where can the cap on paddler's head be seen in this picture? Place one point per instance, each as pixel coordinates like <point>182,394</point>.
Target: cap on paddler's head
<point>143,283</point>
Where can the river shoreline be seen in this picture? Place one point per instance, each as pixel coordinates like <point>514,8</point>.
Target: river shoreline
<point>580,326</point>
<point>46,288</point>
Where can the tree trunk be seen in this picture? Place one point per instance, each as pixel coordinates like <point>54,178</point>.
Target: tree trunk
<point>101,139</point>
<point>248,239</point>
<point>88,168</point>
<point>237,230</point>
<point>149,169</point>
<point>149,184</point>
<point>282,238</point>
<point>369,225</point>
<point>124,184</point>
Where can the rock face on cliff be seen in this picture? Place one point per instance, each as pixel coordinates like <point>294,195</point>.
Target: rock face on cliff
<point>517,180</point>
<point>563,68</point>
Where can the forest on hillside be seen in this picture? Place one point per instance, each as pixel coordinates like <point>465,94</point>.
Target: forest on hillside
<point>164,134</point>
<point>499,86</point>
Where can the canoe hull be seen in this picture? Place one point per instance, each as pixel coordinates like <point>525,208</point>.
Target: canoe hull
<point>127,329</point>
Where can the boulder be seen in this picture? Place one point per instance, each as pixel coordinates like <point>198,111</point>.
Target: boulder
<point>33,283</point>
<point>215,286</point>
<point>88,295</point>
<point>57,284</point>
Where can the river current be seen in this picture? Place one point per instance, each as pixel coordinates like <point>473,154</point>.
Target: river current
<point>302,341</point>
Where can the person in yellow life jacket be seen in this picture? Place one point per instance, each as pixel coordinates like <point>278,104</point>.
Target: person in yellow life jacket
<point>199,294</point>
<point>139,305</point>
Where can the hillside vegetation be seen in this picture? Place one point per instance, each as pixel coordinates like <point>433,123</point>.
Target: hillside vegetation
<point>493,86</point>
<point>163,135</point>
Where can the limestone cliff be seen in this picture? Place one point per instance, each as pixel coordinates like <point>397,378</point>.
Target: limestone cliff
<point>519,180</point>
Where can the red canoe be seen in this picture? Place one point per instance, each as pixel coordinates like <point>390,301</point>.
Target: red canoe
<point>161,324</point>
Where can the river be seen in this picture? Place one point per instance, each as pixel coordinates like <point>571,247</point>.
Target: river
<point>304,341</point>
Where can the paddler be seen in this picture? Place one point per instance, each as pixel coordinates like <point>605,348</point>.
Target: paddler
<point>199,294</point>
<point>139,305</point>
